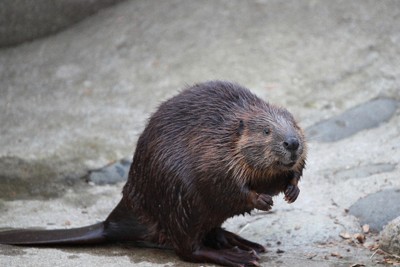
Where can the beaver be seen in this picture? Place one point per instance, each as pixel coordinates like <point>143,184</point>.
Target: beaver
<point>211,152</point>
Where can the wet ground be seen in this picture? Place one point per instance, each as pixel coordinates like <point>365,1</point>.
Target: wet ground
<point>72,106</point>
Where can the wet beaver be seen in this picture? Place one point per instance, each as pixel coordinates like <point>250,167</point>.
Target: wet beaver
<point>212,152</point>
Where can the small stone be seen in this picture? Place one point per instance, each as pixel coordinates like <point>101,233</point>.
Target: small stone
<point>365,228</point>
<point>111,174</point>
<point>280,251</point>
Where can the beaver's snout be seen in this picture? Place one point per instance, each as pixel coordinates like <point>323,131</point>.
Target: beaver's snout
<point>291,144</point>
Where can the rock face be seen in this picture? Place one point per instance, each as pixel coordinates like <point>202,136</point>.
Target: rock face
<point>24,20</point>
<point>377,209</point>
<point>390,237</point>
<point>365,116</point>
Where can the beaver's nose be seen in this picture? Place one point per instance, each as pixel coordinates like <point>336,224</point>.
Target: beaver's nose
<point>291,143</point>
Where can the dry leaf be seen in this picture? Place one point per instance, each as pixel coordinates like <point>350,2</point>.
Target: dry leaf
<point>311,256</point>
<point>336,254</point>
<point>345,235</point>
<point>360,238</point>
<point>365,228</point>
<point>373,247</point>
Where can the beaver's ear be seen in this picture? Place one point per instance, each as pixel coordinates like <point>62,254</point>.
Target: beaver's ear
<point>240,127</point>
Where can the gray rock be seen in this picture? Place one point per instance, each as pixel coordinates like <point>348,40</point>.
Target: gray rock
<point>364,171</point>
<point>377,209</point>
<point>24,20</point>
<point>365,116</point>
<point>111,174</point>
<point>390,237</point>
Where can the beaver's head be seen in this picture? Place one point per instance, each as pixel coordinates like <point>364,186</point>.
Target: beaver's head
<point>270,140</point>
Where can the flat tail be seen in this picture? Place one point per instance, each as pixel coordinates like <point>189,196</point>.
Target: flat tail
<point>121,226</point>
<point>93,234</point>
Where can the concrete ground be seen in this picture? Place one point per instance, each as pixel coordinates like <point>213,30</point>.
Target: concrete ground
<point>77,101</point>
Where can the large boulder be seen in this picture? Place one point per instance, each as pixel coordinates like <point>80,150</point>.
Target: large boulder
<point>377,209</point>
<point>25,20</point>
<point>390,237</point>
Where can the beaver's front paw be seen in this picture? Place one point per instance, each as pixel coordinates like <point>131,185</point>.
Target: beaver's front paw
<point>264,202</point>
<point>291,193</point>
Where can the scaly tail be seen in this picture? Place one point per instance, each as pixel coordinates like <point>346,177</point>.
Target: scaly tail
<point>93,234</point>
<point>120,226</point>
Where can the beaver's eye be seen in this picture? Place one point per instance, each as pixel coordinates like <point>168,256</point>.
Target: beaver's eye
<point>266,131</point>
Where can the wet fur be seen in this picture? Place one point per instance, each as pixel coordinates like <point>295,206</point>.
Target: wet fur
<point>205,149</point>
<point>211,152</point>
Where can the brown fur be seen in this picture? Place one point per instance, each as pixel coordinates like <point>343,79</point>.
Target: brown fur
<point>212,152</point>
<point>200,155</point>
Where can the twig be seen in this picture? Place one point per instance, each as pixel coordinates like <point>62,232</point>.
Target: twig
<point>243,228</point>
<point>388,254</point>
<point>373,254</point>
